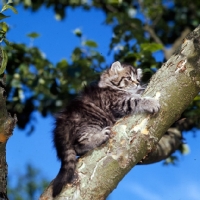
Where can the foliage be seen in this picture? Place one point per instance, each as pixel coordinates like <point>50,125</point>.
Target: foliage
<point>28,185</point>
<point>46,86</point>
<point>139,29</point>
<point>3,31</point>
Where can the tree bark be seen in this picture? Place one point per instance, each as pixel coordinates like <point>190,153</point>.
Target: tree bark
<point>7,124</point>
<point>134,137</point>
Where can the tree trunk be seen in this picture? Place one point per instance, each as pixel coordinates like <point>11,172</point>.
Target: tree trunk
<point>175,85</point>
<point>7,124</point>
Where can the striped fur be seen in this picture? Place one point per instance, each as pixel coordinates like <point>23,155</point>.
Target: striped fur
<point>86,122</point>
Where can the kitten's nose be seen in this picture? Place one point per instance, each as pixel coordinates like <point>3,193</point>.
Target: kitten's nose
<point>136,82</point>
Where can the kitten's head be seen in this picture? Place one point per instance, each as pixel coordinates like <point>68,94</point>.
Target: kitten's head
<point>121,76</point>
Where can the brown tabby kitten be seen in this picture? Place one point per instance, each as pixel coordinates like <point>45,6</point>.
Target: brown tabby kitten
<point>86,122</point>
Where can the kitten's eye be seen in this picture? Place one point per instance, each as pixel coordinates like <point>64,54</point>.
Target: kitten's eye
<point>129,78</point>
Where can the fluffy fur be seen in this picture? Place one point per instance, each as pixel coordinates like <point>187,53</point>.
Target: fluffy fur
<point>86,122</point>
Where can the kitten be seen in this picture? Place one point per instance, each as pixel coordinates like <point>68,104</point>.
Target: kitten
<point>86,122</point>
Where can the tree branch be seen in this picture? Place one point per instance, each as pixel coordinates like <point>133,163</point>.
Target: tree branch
<point>7,124</point>
<point>175,85</point>
<point>178,41</point>
<point>152,33</point>
<point>167,145</point>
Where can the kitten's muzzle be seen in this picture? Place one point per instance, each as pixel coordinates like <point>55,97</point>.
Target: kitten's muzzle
<point>136,82</point>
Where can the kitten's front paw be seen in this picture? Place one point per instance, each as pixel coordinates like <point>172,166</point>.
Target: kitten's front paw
<point>152,105</point>
<point>105,134</point>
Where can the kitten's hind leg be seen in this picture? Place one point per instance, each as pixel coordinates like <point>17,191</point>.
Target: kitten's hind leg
<point>91,139</point>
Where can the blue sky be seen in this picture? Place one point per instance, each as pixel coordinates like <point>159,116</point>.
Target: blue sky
<point>152,182</point>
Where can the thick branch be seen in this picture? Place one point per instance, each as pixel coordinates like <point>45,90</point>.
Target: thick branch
<point>167,145</point>
<point>175,85</point>
<point>7,124</point>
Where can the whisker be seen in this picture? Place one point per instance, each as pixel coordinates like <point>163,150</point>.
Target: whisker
<point>144,85</point>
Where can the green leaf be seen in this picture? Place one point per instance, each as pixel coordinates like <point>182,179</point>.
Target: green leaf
<point>58,16</point>
<point>2,36</point>
<point>4,27</point>
<point>152,47</point>
<point>6,42</point>
<point>2,16</point>
<point>62,64</point>
<point>197,98</point>
<point>4,61</point>
<point>9,1</point>
<point>114,1</point>
<point>90,43</point>
<point>27,3</point>
<point>6,7</point>
<point>185,149</point>
<point>171,160</point>
<point>33,35</point>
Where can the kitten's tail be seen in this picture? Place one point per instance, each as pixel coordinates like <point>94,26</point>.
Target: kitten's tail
<point>66,173</point>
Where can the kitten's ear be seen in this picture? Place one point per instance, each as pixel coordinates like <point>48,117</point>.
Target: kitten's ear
<point>139,74</point>
<point>116,67</point>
